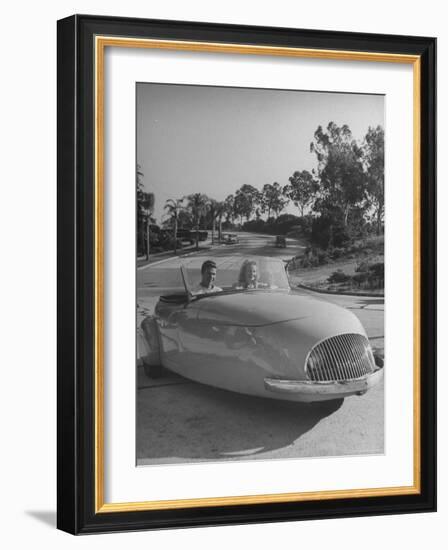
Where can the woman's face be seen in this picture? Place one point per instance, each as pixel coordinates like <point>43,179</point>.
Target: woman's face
<point>251,273</point>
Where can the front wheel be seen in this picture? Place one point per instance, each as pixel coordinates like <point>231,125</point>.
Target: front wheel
<point>150,353</point>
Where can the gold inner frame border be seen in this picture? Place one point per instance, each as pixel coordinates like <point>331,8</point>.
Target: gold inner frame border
<point>100,44</point>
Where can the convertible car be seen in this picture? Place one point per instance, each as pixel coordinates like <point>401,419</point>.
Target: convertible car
<point>256,336</point>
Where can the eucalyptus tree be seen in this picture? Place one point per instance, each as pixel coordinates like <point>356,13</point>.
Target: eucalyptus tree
<point>247,198</point>
<point>273,199</point>
<point>302,189</point>
<point>340,169</point>
<point>373,160</point>
<point>229,208</point>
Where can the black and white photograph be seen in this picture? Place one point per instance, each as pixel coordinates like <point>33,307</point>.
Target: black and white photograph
<point>212,213</point>
<point>260,225</point>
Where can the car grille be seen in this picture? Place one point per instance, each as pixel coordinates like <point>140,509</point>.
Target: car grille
<point>342,357</point>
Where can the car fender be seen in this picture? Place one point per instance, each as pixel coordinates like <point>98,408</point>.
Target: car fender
<point>151,355</point>
<point>240,358</point>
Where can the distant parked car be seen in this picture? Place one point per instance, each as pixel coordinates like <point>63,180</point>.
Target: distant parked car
<point>230,238</point>
<point>280,241</point>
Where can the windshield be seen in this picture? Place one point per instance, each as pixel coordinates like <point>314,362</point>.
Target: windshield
<point>232,274</point>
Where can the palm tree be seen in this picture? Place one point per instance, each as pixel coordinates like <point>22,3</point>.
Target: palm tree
<point>213,211</point>
<point>145,208</point>
<point>220,211</point>
<point>173,207</point>
<point>148,205</point>
<point>197,203</point>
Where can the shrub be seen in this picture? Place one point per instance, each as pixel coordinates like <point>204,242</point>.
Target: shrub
<point>257,226</point>
<point>314,256</point>
<point>376,242</point>
<point>329,231</point>
<point>295,263</point>
<point>276,226</point>
<point>284,223</point>
<point>310,261</point>
<point>322,257</point>
<point>338,277</point>
<point>362,267</point>
<point>336,252</point>
<point>166,242</point>
<point>303,227</point>
<point>377,269</point>
<point>360,278</point>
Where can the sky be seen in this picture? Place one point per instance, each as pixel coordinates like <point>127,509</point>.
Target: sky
<point>212,140</point>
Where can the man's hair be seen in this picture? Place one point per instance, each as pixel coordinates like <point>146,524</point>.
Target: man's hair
<point>207,264</point>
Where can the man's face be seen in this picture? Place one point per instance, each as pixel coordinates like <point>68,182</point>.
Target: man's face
<point>208,277</point>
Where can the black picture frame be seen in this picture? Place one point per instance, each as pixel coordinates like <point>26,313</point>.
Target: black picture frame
<point>76,475</point>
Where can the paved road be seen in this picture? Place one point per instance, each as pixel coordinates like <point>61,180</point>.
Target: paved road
<point>182,421</point>
<point>152,275</point>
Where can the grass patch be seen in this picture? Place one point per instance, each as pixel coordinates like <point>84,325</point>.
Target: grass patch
<point>355,268</point>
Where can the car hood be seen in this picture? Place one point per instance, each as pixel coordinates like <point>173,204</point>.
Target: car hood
<point>260,308</point>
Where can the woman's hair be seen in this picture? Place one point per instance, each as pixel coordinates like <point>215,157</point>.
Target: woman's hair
<point>242,277</point>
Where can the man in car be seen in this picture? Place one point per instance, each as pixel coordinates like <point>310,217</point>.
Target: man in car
<point>208,276</point>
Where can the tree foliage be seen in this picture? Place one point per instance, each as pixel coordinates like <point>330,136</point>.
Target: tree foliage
<point>272,199</point>
<point>340,169</point>
<point>145,200</point>
<point>229,208</point>
<point>302,189</point>
<point>373,158</point>
<point>247,197</point>
<point>145,208</point>
<point>173,208</point>
<point>197,204</point>
<point>340,200</point>
<point>211,215</point>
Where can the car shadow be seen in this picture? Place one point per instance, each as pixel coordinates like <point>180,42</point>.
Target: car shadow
<point>179,420</point>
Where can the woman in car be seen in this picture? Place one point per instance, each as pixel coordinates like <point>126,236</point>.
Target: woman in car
<point>248,277</point>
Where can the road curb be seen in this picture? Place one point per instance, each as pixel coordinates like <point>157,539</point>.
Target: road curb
<point>342,293</point>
